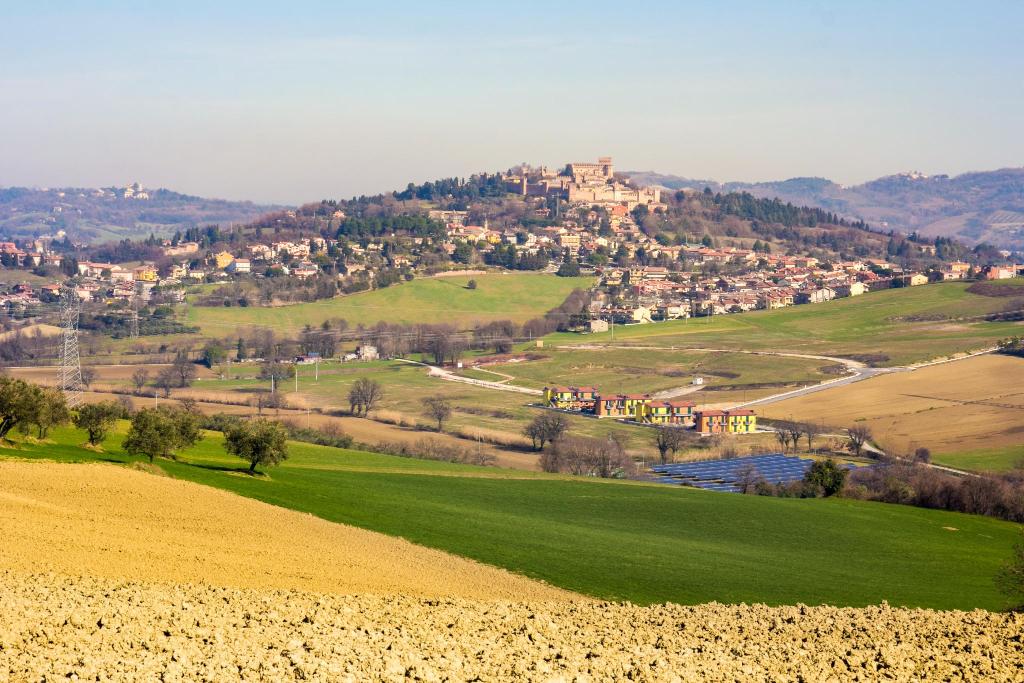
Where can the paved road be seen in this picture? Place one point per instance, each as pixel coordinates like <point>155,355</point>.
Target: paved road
<point>857,371</point>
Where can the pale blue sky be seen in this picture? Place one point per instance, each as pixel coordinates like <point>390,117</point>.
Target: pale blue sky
<point>330,99</point>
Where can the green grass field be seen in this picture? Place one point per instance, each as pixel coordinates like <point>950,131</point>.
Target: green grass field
<point>984,460</point>
<point>512,296</point>
<point>642,370</point>
<point>905,325</point>
<point>623,540</point>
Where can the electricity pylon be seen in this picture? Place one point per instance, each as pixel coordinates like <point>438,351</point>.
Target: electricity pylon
<point>70,362</point>
<point>133,328</point>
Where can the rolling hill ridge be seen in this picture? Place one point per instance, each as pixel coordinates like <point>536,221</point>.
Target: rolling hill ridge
<point>976,207</point>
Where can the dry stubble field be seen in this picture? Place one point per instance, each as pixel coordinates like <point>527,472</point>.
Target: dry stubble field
<point>108,573</point>
<point>951,407</point>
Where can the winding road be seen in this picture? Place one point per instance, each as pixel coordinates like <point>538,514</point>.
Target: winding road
<point>856,372</point>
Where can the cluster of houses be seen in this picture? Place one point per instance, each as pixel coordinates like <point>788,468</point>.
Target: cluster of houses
<point>643,409</point>
<point>35,254</point>
<point>764,281</point>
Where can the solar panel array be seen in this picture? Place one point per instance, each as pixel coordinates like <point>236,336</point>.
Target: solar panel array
<point>724,475</point>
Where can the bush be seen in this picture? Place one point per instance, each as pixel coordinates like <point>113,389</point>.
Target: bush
<point>826,475</point>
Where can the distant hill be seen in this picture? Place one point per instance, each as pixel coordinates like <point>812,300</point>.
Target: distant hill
<point>108,214</point>
<point>974,207</point>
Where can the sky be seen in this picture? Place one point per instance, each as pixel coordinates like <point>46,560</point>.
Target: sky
<point>299,101</point>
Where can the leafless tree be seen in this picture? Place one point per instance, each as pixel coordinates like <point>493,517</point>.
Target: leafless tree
<point>811,431</point>
<point>184,370</point>
<point>364,396</point>
<point>669,438</point>
<point>794,431</point>
<point>587,456</point>
<point>439,409</point>
<point>748,477</point>
<point>546,428</point>
<point>88,376</point>
<point>139,379</point>
<point>166,380</point>
<point>859,435</point>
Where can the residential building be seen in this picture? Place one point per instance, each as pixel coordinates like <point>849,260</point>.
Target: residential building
<point>665,412</point>
<point>571,398</point>
<point>621,405</point>
<point>738,421</point>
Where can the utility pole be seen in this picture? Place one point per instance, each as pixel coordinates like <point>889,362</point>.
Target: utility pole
<point>70,362</point>
<point>296,378</point>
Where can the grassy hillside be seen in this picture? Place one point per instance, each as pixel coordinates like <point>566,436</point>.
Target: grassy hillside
<point>633,370</point>
<point>903,325</point>
<point>622,540</point>
<point>513,296</point>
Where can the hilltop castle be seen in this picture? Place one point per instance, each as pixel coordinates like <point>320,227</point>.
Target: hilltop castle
<point>583,183</point>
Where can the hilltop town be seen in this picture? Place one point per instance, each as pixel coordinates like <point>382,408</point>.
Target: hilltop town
<point>691,254</point>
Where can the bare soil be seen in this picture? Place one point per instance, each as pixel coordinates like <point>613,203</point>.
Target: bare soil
<point>55,627</point>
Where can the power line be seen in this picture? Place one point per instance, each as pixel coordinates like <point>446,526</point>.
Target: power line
<point>70,362</point>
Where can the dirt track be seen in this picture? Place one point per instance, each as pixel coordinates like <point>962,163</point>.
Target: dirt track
<point>108,521</point>
<point>110,574</point>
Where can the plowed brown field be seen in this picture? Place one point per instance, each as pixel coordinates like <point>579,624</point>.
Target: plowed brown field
<point>55,628</point>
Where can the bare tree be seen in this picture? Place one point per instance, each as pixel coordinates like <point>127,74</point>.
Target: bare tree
<point>139,379</point>
<point>546,428</point>
<point>166,380</point>
<point>88,376</point>
<point>587,456</point>
<point>748,477</point>
<point>669,438</point>
<point>184,370</point>
<point>441,344</point>
<point>811,431</point>
<point>794,431</point>
<point>439,409</point>
<point>364,396</point>
<point>782,437</point>
<point>859,435</point>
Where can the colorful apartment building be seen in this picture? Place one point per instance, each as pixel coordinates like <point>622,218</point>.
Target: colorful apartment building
<point>621,405</point>
<point>740,421</point>
<point>571,398</point>
<point>665,412</point>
